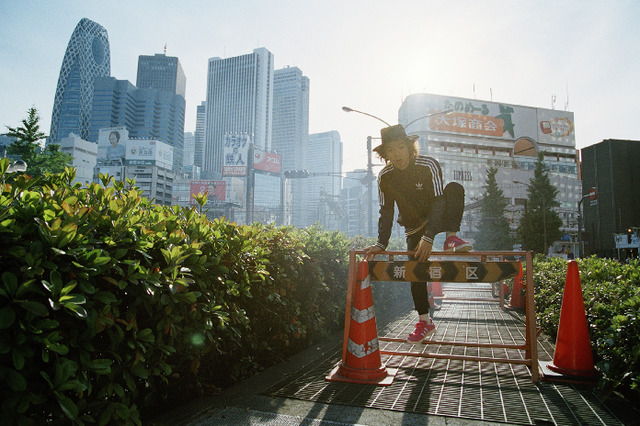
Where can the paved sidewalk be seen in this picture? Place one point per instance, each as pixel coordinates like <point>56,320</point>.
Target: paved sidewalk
<point>425,390</point>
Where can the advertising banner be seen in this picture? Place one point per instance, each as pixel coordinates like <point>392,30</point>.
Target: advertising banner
<point>236,152</point>
<point>216,189</point>
<point>145,152</point>
<point>267,161</point>
<point>472,117</point>
<point>112,145</point>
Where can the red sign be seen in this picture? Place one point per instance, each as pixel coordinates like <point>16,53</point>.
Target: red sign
<point>267,161</point>
<point>460,122</point>
<point>216,189</point>
<point>593,194</point>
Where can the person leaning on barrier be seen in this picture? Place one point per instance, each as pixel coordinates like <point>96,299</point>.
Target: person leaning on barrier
<point>426,207</point>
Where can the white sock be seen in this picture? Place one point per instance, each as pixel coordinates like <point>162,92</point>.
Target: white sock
<point>424,317</point>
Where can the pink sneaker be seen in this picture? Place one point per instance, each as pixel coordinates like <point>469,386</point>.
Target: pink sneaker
<point>423,329</point>
<point>453,243</point>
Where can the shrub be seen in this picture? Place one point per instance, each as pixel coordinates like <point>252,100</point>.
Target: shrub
<point>110,304</point>
<point>611,292</point>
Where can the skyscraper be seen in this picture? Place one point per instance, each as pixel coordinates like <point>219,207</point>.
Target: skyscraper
<point>239,101</point>
<point>164,74</point>
<point>198,154</point>
<point>161,72</point>
<point>87,57</point>
<point>324,158</point>
<point>146,113</point>
<point>291,130</point>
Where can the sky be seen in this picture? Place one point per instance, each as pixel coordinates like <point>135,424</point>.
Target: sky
<point>365,54</point>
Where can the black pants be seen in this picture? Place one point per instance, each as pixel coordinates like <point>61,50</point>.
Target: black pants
<point>454,207</point>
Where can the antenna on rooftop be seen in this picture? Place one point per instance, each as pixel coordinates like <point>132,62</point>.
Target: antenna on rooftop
<point>553,101</point>
<point>165,49</point>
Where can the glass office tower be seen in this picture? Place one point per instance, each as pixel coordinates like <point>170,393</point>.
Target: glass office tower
<point>87,57</point>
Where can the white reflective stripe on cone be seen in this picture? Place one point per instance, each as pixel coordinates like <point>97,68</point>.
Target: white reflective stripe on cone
<point>360,351</point>
<point>361,316</point>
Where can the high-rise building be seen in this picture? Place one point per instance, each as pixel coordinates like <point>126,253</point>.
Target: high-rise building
<point>87,57</point>
<point>322,202</point>
<point>291,131</point>
<point>239,101</point>
<point>476,135</point>
<point>161,72</point>
<point>187,155</point>
<point>146,113</point>
<point>164,74</point>
<point>198,150</point>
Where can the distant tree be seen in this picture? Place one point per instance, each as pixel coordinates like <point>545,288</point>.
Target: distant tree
<point>540,224</point>
<point>40,160</point>
<point>493,227</point>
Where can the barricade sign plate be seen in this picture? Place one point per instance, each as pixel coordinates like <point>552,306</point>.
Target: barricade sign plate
<point>447,271</point>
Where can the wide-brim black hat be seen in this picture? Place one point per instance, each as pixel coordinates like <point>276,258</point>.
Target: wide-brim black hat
<point>393,133</point>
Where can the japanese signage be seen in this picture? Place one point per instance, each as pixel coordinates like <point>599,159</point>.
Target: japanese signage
<point>145,152</point>
<point>236,154</point>
<point>468,123</point>
<point>490,119</point>
<point>448,271</point>
<point>216,189</point>
<point>267,161</point>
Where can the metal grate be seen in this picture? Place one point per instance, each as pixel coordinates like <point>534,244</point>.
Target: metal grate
<point>462,389</point>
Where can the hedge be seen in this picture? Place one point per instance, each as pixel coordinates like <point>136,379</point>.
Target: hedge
<point>611,292</point>
<point>111,305</point>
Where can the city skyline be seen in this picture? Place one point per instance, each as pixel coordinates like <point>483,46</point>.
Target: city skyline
<point>368,57</point>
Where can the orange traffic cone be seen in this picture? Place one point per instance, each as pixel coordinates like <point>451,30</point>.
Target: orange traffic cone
<point>572,355</point>
<point>362,363</point>
<point>516,294</point>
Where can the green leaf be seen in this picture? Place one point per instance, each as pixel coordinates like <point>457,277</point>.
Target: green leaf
<point>57,348</point>
<point>34,307</point>
<point>100,366</point>
<point>105,297</point>
<point>69,408</point>
<point>146,335</point>
<point>140,370</point>
<point>73,298</point>
<point>11,282</point>
<point>7,317</point>
<point>105,417</point>
<point>15,380</point>
<point>18,359</point>
<point>78,310</point>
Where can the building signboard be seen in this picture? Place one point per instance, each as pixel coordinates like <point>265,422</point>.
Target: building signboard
<point>112,145</point>
<point>216,190</point>
<point>266,161</point>
<point>236,153</point>
<point>149,152</point>
<point>493,120</point>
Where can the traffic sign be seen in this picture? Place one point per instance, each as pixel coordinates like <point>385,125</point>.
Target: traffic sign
<point>446,271</point>
<point>593,194</point>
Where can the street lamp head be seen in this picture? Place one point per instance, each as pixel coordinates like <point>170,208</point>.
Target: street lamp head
<point>347,109</point>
